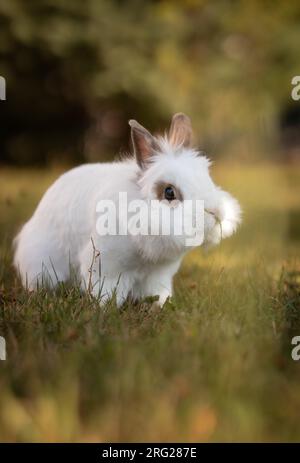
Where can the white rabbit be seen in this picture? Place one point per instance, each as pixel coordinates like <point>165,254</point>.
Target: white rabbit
<point>62,233</point>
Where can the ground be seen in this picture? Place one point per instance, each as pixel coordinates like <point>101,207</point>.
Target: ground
<point>214,365</point>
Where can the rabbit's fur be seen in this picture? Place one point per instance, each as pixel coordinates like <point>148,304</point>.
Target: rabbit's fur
<point>62,235</point>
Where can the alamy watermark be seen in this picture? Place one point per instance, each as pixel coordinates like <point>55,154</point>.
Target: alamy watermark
<point>296,350</point>
<point>2,88</point>
<point>2,348</point>
<point>183,219</point>
<point>295,94</point>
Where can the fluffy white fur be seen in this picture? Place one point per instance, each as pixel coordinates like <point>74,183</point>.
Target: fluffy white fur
<point>58,236</point>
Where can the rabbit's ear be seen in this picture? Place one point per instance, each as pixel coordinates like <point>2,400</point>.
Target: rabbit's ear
<point>144,144</point>
<point>180,133</point>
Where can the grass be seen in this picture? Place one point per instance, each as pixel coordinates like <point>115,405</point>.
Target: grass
<point>213,365</point>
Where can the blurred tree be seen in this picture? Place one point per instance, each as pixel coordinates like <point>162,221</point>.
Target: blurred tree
<point>77,71</point>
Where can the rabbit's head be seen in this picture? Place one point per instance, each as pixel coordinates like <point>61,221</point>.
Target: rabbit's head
<point>171,170</point>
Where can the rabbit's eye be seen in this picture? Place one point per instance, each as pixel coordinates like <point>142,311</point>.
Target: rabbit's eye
<point>170,193</point>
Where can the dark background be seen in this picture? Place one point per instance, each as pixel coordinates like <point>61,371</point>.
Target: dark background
<point>77,71</point>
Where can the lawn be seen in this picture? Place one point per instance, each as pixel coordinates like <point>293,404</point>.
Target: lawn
<point>213,365</point>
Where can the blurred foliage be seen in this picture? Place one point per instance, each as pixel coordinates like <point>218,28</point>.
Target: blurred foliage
<point>77,71</point>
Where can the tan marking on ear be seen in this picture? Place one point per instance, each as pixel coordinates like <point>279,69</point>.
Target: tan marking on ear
<point>144,144</point>
<point>160,187</point>
<point>181,132</point>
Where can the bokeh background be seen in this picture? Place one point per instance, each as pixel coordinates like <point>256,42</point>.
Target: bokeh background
<point>77,71</point>
<point>215,364</point>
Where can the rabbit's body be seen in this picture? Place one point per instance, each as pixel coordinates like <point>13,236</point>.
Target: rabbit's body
<point>58,238</point>
<point>62,234</point>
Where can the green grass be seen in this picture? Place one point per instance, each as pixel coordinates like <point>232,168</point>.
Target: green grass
<point>214,364</point>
